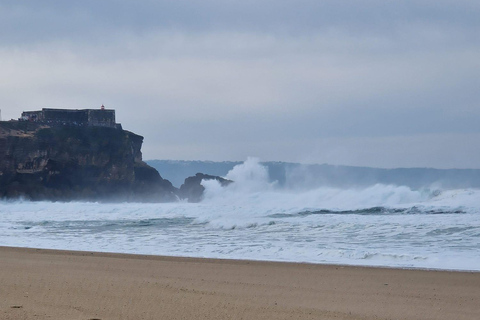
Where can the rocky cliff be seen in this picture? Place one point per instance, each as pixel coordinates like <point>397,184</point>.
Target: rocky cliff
<point>41,162</point>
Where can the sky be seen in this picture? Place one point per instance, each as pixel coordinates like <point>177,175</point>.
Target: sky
<point>374,83</point>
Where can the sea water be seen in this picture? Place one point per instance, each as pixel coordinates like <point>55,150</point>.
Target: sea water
<point>379,225</point>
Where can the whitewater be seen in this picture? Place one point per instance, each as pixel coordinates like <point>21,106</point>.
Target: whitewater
<point>253,218</point>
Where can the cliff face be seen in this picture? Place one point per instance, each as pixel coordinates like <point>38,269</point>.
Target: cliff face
<point>41,162</point>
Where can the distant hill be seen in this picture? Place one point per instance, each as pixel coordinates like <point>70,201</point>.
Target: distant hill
<point>295,175</point>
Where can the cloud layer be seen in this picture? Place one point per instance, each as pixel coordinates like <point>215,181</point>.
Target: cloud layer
<point>368,83</point>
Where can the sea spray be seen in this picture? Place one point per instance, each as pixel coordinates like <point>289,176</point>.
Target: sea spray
<point>251,184</point>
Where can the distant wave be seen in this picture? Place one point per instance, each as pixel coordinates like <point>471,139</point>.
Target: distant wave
<point>374,211</point>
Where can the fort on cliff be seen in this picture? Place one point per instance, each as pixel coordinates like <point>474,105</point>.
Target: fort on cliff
<point>85,117</point>
<point>70,155</point>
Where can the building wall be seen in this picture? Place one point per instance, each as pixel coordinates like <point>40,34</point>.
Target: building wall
<point>65,116</point>
<point>101,117</point>
<point>32,115</point>
<point>90,117</point>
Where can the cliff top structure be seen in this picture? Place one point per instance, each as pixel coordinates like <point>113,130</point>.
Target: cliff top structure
<point>78,117</point>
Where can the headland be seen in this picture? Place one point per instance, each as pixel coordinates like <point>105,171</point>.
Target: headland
<point>64,155</point>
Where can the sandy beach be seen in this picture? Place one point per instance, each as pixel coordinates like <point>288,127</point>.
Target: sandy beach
<point>49,284</point>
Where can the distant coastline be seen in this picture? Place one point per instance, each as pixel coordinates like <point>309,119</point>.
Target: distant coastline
<point>289,174</point>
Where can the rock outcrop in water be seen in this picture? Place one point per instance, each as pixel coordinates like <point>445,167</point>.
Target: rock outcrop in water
<point>192,189</point>
<point>39,161</point>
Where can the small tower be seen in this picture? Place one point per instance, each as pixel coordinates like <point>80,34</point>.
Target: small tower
<point>102,107</point>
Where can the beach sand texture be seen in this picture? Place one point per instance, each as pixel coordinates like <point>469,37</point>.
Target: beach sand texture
<point>49,284</point>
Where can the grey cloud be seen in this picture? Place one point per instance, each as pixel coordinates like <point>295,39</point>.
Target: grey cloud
<point>282,80</point>
<point>50,19</point>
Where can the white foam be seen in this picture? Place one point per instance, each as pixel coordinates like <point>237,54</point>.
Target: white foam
<point>255,219</point>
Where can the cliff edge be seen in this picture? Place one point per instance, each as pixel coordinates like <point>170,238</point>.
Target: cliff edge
<point>65,162</point>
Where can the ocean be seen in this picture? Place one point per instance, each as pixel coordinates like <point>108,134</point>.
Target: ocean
<point>253,218</point>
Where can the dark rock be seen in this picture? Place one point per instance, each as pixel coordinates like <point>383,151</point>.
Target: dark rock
<point>63,163</point>
<point>192,189</point>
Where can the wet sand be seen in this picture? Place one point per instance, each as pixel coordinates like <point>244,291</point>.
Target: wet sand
<point>49,284</point>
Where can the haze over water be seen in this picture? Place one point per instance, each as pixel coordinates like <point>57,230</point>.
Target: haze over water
<point>380,225</point>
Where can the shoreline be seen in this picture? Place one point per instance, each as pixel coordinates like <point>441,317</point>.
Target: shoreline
<point>47,283</point>
<point>219,260</point>
<point>226,260</point>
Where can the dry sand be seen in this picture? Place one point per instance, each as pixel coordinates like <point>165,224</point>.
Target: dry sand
<point>48,284</point>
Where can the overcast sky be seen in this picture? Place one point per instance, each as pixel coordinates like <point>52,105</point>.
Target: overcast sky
<point>372,83</point>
